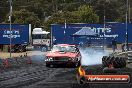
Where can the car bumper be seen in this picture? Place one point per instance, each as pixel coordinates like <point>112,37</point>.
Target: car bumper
<point>61,62</point>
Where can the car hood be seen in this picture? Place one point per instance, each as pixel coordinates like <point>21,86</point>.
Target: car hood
<point>61,54</point>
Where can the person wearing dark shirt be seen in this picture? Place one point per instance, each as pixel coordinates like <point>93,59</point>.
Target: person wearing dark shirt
<point>114,44</point>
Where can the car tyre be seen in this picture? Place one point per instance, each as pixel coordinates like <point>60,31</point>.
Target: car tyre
<point>47,65</point>
<point>109,70</point>
<point>51,65</point>
<point>77,64</point>
<point>118,62</point>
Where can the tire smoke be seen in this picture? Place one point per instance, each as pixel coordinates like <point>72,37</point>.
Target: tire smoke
<point>91,56</point>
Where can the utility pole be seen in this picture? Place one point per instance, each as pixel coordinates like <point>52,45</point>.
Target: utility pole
<point>104,30</point>
<point>129,7</point>
<point>10,25</point>
<point>104,25</point>
<point>65,32</point>
<point>126,38</point>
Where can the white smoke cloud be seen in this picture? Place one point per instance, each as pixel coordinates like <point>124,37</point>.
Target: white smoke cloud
<point>91,56</point>
<point>37,55</point>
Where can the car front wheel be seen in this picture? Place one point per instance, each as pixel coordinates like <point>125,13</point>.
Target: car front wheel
<point>47,65</point>
<point>77,64</point>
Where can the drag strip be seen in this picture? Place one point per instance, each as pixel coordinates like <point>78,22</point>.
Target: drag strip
<point>58,76</point>
<point>25,77</point>
<point>37,75</point>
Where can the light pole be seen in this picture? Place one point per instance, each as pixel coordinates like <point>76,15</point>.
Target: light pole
<point>104,24</point>
<point>10,24</point>
<point>126,40</point>
<point>104,29</point>
<point>129,12</point>
<point>65,32</point>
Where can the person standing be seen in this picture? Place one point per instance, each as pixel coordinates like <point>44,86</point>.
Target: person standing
<point>114,44</point>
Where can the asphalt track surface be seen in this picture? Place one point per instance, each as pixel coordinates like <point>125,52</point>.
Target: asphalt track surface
<point>37,75</point>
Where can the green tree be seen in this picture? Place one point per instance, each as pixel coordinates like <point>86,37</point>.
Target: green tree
<point>25,17</point>
<point>84,14</point>
<point>87,14</point>
<point>112,9</point>
<point>4,9</point>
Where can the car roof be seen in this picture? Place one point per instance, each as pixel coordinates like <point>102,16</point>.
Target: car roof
<point>66,45</point>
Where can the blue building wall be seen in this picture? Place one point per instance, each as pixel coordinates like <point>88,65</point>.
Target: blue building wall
<point>62,33</point>
<point>20,33</point>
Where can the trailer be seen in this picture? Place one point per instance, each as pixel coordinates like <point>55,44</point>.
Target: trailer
<point>20,35</point>
<point>66,33</point>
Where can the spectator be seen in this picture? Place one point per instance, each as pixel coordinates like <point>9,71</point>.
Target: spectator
<point>81,44</point>
<point>114,44</point>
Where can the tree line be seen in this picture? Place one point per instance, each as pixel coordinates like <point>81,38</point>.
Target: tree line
<point>43,13</point>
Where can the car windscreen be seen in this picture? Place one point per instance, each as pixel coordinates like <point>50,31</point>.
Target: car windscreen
<point>63,48</point>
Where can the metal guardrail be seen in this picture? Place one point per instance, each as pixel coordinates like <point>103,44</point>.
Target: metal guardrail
<point>129,58</point>
<point>126,54</point>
